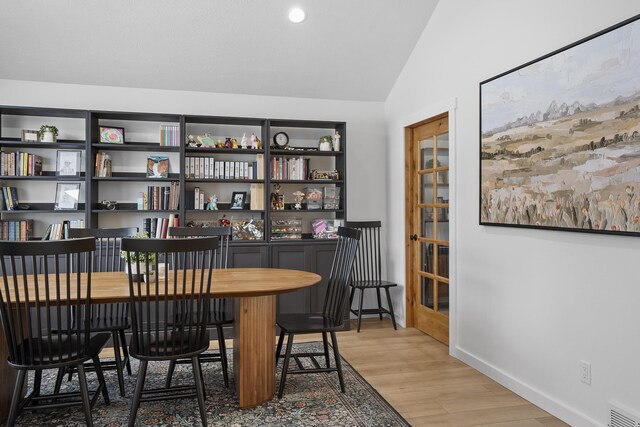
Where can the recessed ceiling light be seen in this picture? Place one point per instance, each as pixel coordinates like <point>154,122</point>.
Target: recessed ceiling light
<point>297,15</point>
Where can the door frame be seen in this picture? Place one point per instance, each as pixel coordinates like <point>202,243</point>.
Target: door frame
<point>413,120</point>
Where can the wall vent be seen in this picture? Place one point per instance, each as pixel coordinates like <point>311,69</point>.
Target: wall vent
<point>619,417</point>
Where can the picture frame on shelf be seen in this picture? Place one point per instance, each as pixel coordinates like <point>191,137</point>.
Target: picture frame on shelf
<point>111,135</point>
<point>30,135</point>
<point>68,162</point>
<point>157,167</point>
<point>67,195</point>
<point>238,199</point>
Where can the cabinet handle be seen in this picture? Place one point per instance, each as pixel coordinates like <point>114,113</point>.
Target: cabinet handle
<point>413,237</point>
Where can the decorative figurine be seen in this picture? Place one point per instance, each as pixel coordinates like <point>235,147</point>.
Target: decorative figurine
<point>227,143</point>
<point>298,195</point>
<point>277,199</point>
<point>244,141</point>
<point>191,141</point>
<point>234,143</point>
<point>336,141</point>
<point>255,142</point>
<point>212,203</point>
<point>219,144</point>
<point>224,222</point>
<point>206,140</point>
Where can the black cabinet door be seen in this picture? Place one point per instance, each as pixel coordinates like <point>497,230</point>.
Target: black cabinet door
<point>292,257</point>
<point>321,260</point>
<point>249,256</point>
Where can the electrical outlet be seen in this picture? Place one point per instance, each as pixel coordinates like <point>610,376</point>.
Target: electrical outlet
<point>585,372</point>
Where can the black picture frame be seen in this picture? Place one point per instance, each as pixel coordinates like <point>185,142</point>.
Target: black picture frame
<point>558,138</point>
<point>67,195</point>
<point>238,199</point>
<point>111,135</point>
<point>68,162</point>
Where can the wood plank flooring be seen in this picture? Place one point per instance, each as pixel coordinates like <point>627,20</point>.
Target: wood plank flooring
<point>416,375</point>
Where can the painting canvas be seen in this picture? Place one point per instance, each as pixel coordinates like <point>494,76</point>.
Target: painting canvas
<point>560,138</point>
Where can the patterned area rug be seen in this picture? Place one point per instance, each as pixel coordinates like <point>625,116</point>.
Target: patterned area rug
<point>309,400</point>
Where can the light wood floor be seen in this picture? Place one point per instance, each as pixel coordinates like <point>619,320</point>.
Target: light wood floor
<point>416,375</point>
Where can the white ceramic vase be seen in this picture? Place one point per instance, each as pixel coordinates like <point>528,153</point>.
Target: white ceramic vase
<point>48,137</point>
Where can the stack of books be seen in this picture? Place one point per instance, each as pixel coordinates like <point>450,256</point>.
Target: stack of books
<point>20,164</point>
<point>157,228</point>
<point>103,164</point>
<point>9,199</point>
<point>16,230</point>
<point>161,198</point>
<point>296,168</point>
<point>169,136</point>
<point>60,230</point>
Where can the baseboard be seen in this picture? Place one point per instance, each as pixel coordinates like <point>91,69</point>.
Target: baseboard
<point>542,400</point>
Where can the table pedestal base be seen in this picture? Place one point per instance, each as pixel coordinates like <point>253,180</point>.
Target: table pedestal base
<point>254,349</point>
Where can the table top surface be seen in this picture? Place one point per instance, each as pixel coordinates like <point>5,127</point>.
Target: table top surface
<point>228,283</point>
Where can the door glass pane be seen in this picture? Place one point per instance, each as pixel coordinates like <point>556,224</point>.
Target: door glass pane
<point>443,298</point>
<point>426,185</point>
<point>427,223</point>
<point>426,289</point>
<point>426,153</point>
<point>427,257</point>
<point>443,261</point>
<point>442,143</point>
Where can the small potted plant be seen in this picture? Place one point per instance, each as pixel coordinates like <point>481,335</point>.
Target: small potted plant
<point>48,133</point>
<point>143,259</point>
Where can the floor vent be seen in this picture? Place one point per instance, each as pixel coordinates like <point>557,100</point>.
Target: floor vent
<point>619,417</point>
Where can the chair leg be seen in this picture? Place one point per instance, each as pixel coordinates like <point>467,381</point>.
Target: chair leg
<point>360,308</point>
<point>137,394</point>
<point>279,347</point>
<point>16,398</point>
<point>59,378</point>
<point>101,381</point>
<point>172,368</point>
<point>197,377</point>
<point>118,361</point>
<point>37,383</point>
<point>393,316</point>
<point>84,392</point>
<point>379,302</point>
<point>285,366</point>
<point>325,343</point>
<point>223,356</point>
<point>336,355</point>
<point>125,352</point>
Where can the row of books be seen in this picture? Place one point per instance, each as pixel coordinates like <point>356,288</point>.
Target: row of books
<point>60,230</point>
<point>20,163</point>
<point>160,198</point>
<point>209,168</point>
<point>103,164</point>
<point>9,200</point>
<point>156,228</point>
<point>169,135</point>
<point>16,230</point>
<point>290,168</point>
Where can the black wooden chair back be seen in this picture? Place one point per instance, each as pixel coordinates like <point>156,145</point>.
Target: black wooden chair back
<point>368,263</point>
<point>37,325</point>
<point>224,233</point>
<point>187,283</point>
<point>106,258</point>
<point>336,300</point>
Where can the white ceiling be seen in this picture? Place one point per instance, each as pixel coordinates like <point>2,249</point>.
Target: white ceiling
<point>346,49</point>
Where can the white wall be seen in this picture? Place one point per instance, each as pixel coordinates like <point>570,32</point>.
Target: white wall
<point>365,122</point>
<point>530,303</point>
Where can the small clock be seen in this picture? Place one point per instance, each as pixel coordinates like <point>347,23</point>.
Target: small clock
<point>281,140</point>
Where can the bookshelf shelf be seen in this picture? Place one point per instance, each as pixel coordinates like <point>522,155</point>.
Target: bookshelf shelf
<point>213,151</point>
<point>305,153</point>
<point>61,144</point>
<point>133,176</point>
<point>136,146</point>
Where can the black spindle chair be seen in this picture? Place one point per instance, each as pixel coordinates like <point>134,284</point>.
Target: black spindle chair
<point>112,318</point>
<point>367,271</point>
<point>156,304</point>
<point>220,309</point>
<point>329,321</point>
<point>39,327</point>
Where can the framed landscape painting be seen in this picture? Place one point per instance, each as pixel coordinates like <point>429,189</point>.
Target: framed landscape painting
<point>560,138</point>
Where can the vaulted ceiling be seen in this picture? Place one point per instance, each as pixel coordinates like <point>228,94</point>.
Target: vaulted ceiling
<point>345,49</point>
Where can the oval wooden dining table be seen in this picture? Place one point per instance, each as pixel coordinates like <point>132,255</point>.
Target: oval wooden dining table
<point>254,291</point>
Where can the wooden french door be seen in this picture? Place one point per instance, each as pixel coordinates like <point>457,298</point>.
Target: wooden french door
<point>427,179</point>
